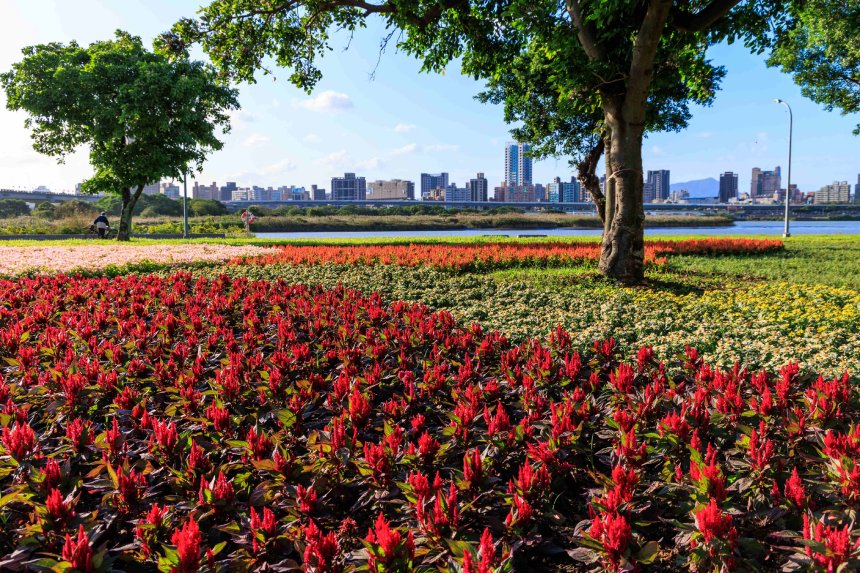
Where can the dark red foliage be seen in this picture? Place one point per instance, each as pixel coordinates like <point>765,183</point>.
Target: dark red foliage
<point>231,424</point>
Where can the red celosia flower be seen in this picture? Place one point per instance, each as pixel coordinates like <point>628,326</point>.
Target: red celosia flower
<point>129,486</point>
<point>521,513</point>
<point>197,462</point>
<point>838,542</point>
<point>164,437</point>
<point>59,510</point>
<point>146,531</point>
<point>51,474</point>
<point>187,540</point>
<point>388,550</point>
<point>259,444</point>
<point>20,441</point>
<point>306,498</point>
<point>221,490</point>
<point>220,417</point>
<point>79,433</point>
<point>321,550</point>
<point>713,523</point>
<point>78,552</point>
<point>794,490</point>
<point>613,531</point>
<point>473,469</point>
<point>266,525</point>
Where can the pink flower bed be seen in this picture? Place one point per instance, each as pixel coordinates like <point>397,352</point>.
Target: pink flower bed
<point>62,258</point>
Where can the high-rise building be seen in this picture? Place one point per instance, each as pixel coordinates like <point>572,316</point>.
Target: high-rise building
<point>457,194</point>
<point>227,191</point>
<point>240,193</point>
<point>152,188</point>
<point>317,193</point>
<point>857,190</point>
<point>571,191</point>
<point>515,193</point>
<point>837,192</point>
<point>170,189</point>
<point>553,191</point>
<point>518,163</point>
<point>478,189</point>
<point>755,183</point>
<point>728,186</point>
<point>659,180</point>
<point>431,181</point>
<point>389,190</point>
<point>348,188</point>
<point>206,191</point>
<point>771,182</point>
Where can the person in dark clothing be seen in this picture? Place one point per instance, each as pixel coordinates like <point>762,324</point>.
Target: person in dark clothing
<point>101,224</point>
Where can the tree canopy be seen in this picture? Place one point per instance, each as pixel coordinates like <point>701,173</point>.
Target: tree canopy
<point>143,115</point>
<point>584,77</point>
<point>821,49</point>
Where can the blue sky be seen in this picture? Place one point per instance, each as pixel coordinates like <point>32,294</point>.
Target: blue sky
<point>402,122</point>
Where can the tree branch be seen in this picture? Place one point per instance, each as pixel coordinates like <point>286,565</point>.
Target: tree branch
<point>642,62</point>
<point>704,18</point>
<point>586,173</point>
<point>584,31</point>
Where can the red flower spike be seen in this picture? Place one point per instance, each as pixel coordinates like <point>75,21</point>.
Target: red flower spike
<point>794,490</point>
<point>20,441</point>
<point>78,552</point>
<point>713,523</point>
<point>187,540</point>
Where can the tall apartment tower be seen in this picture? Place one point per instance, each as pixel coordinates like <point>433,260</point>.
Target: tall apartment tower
<point>518,163</point>
<point>728,186</point>
<point>478,189</point>
<point>857,190</point>
<point>348,188</point>
<point>771,182</point>
<point>659,182</point>
<point>431,181</point>
<point>755,183</point>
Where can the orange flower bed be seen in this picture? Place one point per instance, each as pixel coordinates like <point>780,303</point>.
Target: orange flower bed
<point>494,255</point>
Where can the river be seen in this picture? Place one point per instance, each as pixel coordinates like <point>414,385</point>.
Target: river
<point>772,228</point>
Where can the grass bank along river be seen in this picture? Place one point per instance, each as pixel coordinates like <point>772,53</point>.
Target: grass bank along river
<point>464,221</point>
<point>351,222</point>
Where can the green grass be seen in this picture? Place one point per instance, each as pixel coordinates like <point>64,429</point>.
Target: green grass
<point>828,260</point>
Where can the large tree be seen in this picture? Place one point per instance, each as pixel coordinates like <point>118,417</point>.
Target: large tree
<point>585,76</point>
<point>143,115</point>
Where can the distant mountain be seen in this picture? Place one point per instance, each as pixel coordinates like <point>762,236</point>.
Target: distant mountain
<point>700,188</point>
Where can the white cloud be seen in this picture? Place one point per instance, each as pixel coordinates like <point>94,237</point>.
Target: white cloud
<point>404,127</point>
<point>280,167</point>
<point>372,163</point>
<point>705,134</point>
<point>255,140</point>
<point>328,100</point>
<point>337,161</point>
<point>312,138</point>
<point>657,150</point>
<point>241,117</point>
<point>441,147</point>
<point>405,150</point>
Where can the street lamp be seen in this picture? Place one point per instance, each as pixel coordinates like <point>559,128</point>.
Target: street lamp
<point>185,203</point>
<point>788,186</point>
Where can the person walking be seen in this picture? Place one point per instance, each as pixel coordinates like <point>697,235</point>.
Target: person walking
<point>101,224</point>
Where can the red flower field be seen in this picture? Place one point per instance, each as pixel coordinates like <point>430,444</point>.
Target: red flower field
<point>469,256</point>
<point>218,425</point>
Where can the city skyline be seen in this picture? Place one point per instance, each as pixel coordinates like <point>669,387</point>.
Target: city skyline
<point>404,123</point>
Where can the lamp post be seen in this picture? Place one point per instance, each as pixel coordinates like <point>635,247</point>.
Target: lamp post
<point>185,203</point>
<point>788,185</point>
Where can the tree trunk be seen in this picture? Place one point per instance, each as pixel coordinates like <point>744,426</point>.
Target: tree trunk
<point>587,176</point>
<point>129,200</point>
<point>623,249</point>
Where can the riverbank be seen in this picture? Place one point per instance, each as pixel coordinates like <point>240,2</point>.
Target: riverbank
<point>356,222</point>
<point>514,221</point>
